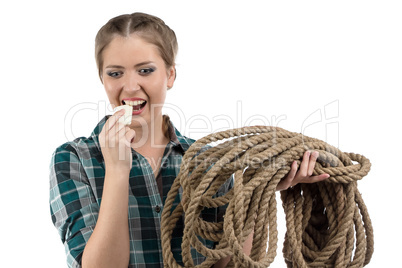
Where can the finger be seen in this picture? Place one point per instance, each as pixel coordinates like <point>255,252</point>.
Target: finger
<point>106,135</point>
<point>114,118</point>
<point>102,139</point>
<point>121,131</point>
<point>293,171</point>
<point>304,164</point>
<point>288,181</point>
<point>113,135</point>
<point>311,164</point>
<point>314,179</point>
<point>119,127</point>
<point>130,134</point>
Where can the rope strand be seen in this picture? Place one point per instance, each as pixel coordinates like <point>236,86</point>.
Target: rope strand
<point>328,224</point>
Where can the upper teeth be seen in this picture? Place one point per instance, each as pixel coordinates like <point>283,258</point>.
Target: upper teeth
<point>134,103</point>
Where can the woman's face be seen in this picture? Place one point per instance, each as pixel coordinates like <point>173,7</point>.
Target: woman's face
<point>135,74</point>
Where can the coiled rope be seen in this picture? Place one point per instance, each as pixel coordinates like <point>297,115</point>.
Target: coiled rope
<point>327,222</point>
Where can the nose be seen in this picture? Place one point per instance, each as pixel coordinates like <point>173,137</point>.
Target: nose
<point>131,83</point>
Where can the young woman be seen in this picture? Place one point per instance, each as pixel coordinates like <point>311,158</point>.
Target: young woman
<point>107,191</point>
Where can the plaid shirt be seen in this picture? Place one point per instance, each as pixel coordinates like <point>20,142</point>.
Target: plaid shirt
<point>77,174</point>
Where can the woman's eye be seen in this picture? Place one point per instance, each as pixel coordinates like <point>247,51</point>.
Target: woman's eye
<point>114,74</point>
<point>146,71</point>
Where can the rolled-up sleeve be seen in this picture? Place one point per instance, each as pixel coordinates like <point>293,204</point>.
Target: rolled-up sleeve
<point>73,207</point>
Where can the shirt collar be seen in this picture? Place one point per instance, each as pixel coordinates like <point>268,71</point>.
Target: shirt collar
<point>176,138</point>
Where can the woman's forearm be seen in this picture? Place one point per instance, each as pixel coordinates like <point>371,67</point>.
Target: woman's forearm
<point>246,249</point>
<point>109,244</point>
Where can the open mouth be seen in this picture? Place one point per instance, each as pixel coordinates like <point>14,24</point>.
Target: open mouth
<point>137,104</point>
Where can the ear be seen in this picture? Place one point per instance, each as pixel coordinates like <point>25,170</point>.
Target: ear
<point>171,76</point>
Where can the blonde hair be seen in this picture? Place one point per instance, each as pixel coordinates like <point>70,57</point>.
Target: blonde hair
<point>152,29</point>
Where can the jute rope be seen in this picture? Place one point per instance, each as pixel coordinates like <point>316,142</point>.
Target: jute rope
<point>327,222</point>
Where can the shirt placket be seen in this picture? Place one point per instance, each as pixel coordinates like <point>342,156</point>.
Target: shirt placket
<point>153,192</point>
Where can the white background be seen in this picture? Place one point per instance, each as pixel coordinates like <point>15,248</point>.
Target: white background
<point>283,63</point>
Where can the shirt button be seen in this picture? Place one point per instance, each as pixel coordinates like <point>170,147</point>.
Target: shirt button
<point>158,209</point>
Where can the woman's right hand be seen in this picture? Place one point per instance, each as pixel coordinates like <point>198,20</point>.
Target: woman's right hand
<point>115,140</point>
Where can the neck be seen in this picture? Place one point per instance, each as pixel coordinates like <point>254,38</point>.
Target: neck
<point>151,136</point>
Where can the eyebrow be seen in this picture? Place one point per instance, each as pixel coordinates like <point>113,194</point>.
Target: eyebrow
<point>135,66</point>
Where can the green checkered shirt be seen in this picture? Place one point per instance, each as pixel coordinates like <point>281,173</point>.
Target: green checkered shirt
<point>77,174</point>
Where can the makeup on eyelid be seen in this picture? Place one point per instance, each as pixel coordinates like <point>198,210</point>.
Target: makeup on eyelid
<point>143,71</point>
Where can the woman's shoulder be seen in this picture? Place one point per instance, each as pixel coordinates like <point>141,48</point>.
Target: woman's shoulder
<point>83,147</point>
<point>78,146</point>
<point>80,156</point>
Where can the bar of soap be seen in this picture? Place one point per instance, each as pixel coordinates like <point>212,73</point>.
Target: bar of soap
<point>128,114</point>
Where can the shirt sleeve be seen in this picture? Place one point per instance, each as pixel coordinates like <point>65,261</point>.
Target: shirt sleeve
<point>73,207</point>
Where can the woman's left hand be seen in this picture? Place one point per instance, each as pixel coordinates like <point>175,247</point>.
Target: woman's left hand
<point>302,175</point>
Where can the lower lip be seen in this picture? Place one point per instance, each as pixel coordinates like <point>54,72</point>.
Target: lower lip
<point>139,111</point>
